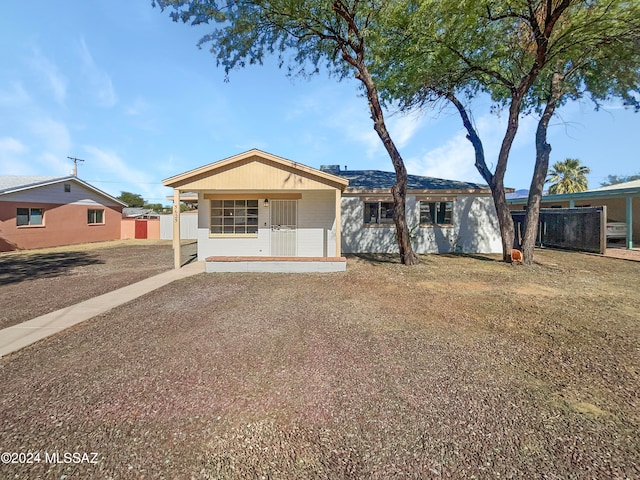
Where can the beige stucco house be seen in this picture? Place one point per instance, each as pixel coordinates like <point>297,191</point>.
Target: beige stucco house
<point>261,212</point>
<point>258,211</point>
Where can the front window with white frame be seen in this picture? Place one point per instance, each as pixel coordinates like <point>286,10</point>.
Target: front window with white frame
<point>95,216</point>
<point>234,217</point>
<point>29,217</point>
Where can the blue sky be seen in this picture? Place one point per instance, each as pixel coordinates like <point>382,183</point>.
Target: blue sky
<point>120,85</point>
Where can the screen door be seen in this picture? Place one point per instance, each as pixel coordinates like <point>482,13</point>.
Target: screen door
<point>284,224</point>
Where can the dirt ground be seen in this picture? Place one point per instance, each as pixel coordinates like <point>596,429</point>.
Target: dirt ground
<point>36,282</point>
<point>460,367</point>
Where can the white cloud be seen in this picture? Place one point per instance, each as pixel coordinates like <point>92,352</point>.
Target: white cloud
<point>51,144</point>
<point>16,158</point>
<point>354,124</point>
<point>55,164</point>
<point>305,105</point>
<point>112,170</point>
<point>142,116</point>
<point>403,127</point>
<point>49,71</point>
<point>342,111</point>
<point>353,119</point>
<point>138,107</point>
<point>99,80</point>
<point>53,135</point>
<point>11,146</point>
<point>11,161</point>
<point>454,160</point>
<point>15,96</point>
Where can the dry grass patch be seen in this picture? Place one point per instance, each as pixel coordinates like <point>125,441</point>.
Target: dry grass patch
<point>443,370</point>
<point>36,282</point>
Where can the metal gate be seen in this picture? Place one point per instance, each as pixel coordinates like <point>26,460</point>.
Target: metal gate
<point>284,224</point>
<point>582,228</point>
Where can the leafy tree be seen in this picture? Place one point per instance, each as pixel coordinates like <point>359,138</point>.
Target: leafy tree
<point>568,176</point>
<point>305,34</point>
<point>596,56</point>
<point>615,179</point>
<point>453,50</point>
<point>156,207</point>
<point>131,199</point>
<point>528,55</point>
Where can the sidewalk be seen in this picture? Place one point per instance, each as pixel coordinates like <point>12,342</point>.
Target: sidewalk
<point>19,336</point>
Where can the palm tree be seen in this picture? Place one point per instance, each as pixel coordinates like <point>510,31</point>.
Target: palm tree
<point>568,177</point>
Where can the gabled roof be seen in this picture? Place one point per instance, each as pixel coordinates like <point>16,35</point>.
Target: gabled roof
<point>211,168</point>
<point>379,180</point>
<point>17,183</point>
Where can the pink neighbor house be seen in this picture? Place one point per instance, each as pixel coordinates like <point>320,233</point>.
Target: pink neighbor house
<point>38,211</point>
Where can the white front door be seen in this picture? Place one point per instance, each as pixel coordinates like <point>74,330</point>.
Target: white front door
<point>284,224</point>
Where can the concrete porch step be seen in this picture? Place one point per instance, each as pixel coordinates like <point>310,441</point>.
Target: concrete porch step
<point>217,264</point>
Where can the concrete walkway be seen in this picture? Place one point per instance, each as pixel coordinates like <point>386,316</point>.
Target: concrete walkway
<point>19,336</point>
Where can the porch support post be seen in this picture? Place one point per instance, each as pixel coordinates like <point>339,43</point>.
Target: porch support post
<point>176,228</point>
<point>572,203</point>
<point>338,223</point>
<point>629,222</point>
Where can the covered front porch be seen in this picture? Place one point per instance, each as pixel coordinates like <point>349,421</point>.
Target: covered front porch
<point>259,212</point>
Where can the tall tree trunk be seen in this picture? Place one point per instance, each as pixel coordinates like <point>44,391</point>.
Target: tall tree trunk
<point>543,151</point>
<point>495,181</point>
<point>353,52</point>
<point>505,221</point>
<point>472,136</point>
<point>399,191</point>
<point>541,31</point>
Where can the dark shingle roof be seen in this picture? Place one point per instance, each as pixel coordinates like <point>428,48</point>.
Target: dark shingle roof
<point>378,180</point>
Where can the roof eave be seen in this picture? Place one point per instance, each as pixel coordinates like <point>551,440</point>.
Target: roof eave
<point>29,186</point>
<point>68,178</point>
<point>623,192</point>
<point>448,191</point>
<point>176,180</point>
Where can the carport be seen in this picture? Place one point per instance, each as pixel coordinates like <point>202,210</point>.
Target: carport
<point>622,202</point>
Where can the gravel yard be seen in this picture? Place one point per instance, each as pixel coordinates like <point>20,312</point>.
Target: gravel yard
<point>460,367</point>
<point>36,282</point>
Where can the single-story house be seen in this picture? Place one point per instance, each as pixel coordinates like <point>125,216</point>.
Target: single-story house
<point>261,212</point>
<point>442,215</point>
<point>622,202</point>
<point>39,211</point>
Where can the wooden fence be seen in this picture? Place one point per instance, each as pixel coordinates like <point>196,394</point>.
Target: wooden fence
<point>582,229</point>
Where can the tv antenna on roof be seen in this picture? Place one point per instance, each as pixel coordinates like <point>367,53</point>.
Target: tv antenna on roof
<point>75,165</point>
